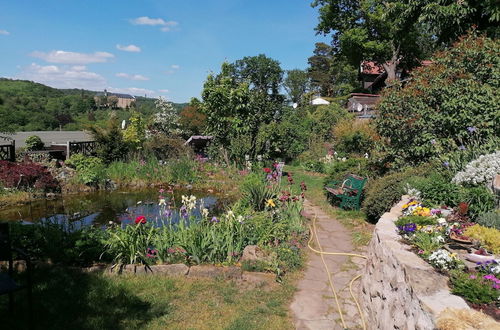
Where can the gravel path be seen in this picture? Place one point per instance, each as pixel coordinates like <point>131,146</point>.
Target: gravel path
<point>314,306</point>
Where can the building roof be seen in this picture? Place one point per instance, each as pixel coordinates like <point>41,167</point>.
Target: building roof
<point>118,95</point>
<point>319,101</point>
<point>370,67</point>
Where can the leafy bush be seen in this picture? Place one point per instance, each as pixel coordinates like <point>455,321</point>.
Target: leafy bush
<point>110,142</point>
<point>90,170</point>
<point>489,219</point>
<point>340,169</point>
<point>27,175</point>
<point>428,243</point>
<point>357,137</point>
<point>473,288</point>
<point>479,199</point>
<point>164,148</point>
<point>431,114</point>
<point>488,237</point>
<point>436,190</point>
<point>34,143</point>
<point>383,193</point>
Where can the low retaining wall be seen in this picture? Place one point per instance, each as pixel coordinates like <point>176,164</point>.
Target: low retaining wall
<point>399,290</point>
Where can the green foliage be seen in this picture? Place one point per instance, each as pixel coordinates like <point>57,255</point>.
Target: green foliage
<point>429,117</point>
<point>476,290</point>
<point>34,143</point>
<point>384,192</point>
<point>148,170</point>
<point>111,145</point>
<point>437,190</point>
<point>255,192</point>
<point>354,137</point>
<point>489,219</point>
<point>164,148</point>
<point>135,133</point>
<point>183,170</point>
<point>340,169</point>
<point>296,84</point>
<point>90,170</point>
<point>426,242</point>
<point>480,200</point>
<point>416,219</point>
<point>128,245</point>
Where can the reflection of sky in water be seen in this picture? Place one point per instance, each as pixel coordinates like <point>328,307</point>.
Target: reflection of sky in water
<point>75,212</point>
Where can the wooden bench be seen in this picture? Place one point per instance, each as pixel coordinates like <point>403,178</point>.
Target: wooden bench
<point>348,191</point>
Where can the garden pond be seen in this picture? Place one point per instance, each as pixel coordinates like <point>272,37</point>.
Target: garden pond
<point>99,208</point>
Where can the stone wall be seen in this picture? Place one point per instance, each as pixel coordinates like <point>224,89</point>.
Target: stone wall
<point>398,289</point>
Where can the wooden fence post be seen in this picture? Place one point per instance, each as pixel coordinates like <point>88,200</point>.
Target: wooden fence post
<point>68,150</point>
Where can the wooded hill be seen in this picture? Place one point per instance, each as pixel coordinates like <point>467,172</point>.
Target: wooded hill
<point>30,106</point>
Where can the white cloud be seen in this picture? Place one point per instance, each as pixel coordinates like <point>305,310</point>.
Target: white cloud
<point>4,32</point>
<point>63,76</point>
<point>79,68</point>
<point>61,56</point>
<point>131,76</point>
<point>163,91</point>
<point>175,66</point>
<point>129,48</point>
<point>132,91</point>
<point>145,20</point>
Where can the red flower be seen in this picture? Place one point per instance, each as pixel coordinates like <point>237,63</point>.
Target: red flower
<point>267,170</point>
<point>140,219</point>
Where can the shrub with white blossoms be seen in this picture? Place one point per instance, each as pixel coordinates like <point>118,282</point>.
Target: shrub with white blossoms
<point>166,120</point>
<point>480,171</point>
<point>443,259</point>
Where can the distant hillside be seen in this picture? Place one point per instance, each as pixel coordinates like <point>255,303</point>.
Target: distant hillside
<point>30,106</point>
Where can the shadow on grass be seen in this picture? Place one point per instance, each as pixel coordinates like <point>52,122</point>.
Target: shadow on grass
<point>65,299</point>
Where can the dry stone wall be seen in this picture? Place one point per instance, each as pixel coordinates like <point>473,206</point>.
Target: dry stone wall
<point>398,289</point>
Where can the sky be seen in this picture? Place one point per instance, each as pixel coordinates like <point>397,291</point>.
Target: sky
<point>149,47</point>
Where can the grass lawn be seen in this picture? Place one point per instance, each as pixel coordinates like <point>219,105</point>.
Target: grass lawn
<point>354,220</point>
<point>73,300</point>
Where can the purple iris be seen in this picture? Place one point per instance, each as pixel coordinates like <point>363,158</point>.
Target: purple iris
<point>168,213</point>
<point>433,141</point>
<point>471,129</point>
<point>462,147</point>
<point>184,212</point>
<point>214,219</point>
<point>446,164</point>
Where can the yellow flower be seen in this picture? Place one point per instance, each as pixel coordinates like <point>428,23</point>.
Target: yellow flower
<point>270,203</point>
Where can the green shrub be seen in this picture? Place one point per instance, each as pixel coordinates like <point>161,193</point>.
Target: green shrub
<point>164,148</point>
<point>428,243</point>
<point>34,143</point>
<point>354,137</point>
<point>436,190</point>
<point>429,116</point>
<point>110,143</point>
<point>480,200</point>
<point>489,219</point>
<point>338,170</point>
<point>474,289</point>
<point>90,170</point>
<point>384,192</point>
<point>255,192</point>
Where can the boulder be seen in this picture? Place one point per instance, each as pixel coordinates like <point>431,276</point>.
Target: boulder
<point>170,270</point>
<point>207,271</point>
<point>252,253</point>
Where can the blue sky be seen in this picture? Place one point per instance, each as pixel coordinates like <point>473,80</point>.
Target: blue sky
<point>148,47</point>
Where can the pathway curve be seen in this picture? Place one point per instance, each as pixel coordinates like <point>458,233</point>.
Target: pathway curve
<point>314,306</point>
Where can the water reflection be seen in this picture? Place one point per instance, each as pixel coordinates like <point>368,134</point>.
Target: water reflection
<point>99,208</point>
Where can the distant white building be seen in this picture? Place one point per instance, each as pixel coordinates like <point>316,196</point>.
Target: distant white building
<point>319,101</point>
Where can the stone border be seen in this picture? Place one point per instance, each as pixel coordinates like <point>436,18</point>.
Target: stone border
<point>399,290</point>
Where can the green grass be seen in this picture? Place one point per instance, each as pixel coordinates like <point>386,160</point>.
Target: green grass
<point>73,300</point>
<point>353,220</point>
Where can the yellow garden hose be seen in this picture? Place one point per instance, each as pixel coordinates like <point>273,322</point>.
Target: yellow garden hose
<point>330,280</point>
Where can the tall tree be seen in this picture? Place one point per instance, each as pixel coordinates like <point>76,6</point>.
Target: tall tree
<point>296,84</point>
<point>319,68</point>
<point>363,30</point>
<point>261,72</point>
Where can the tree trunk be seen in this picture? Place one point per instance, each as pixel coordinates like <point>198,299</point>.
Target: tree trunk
<point>390,66</point>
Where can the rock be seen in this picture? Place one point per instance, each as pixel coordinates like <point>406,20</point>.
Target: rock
<point>170,270</point>
<point>207,271</point>
<point>252,253</point>
<point>496,184</point>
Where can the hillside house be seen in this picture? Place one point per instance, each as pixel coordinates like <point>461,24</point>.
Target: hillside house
<point>123,100</point>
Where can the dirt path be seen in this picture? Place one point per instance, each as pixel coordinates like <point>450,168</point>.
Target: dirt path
<point>314,306</point>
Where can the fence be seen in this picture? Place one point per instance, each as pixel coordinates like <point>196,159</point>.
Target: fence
<point>55,151</point>
<point>8,151</point>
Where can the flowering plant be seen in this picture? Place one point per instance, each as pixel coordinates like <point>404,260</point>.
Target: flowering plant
<point>443,259</point>
<point>479,171</point>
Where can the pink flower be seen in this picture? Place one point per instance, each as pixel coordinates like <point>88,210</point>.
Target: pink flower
<point>140,220</point>
<point>489,277</point>
<point>161,191</point>
<point>472,277</point>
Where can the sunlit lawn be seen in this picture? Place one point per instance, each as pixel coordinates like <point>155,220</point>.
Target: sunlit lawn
<point>354,220</point>
<point>73,300</point>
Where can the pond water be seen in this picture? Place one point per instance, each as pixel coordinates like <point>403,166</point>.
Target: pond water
<point>99,208</point>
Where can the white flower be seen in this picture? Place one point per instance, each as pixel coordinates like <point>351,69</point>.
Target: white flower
<point>240,218</point>
<point>162,202</point>
<point>204,212</point>
<point>480,171</point>
<point>441,221</point>
<point>230,214</point>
